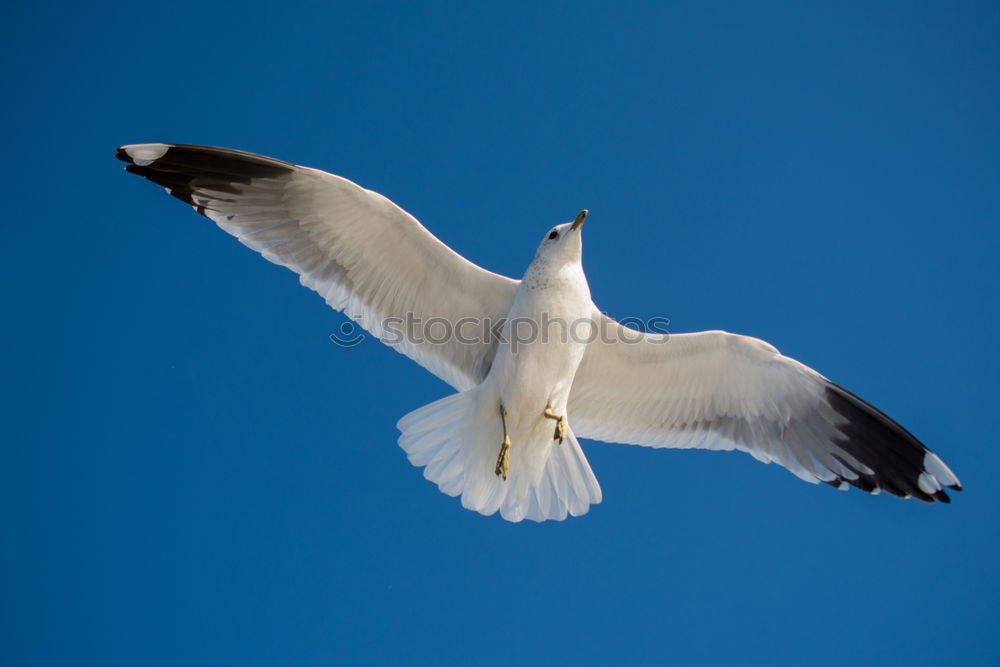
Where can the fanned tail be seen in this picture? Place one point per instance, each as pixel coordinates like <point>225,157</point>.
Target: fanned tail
<point>457,439</point>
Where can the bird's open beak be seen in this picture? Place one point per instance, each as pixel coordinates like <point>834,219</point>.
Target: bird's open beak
<point>579,220</point>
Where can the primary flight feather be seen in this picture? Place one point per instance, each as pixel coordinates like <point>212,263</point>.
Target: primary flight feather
<point>507,441</point>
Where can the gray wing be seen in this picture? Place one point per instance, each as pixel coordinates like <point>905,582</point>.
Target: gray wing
<point>363,254</point>
<point>717,390</point>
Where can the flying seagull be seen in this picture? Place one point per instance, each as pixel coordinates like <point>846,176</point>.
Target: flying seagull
<point>507,440</point>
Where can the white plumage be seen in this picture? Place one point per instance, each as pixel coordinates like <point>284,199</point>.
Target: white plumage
<point>713,390</point>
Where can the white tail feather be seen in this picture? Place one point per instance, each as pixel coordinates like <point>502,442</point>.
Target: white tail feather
<point>457,439</point>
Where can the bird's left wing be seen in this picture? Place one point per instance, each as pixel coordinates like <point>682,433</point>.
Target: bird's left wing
<point>717,390</point>
<point>363,254</point>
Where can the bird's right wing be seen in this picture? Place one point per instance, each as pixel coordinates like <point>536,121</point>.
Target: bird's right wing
<point>717,390</point>
<point>363,254</point>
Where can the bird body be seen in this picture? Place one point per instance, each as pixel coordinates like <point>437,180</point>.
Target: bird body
<point>532,370</point>
<point>507,441</point>
<point>537,357</point>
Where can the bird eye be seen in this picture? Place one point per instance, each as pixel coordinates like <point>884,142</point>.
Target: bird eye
<point>553,235</point>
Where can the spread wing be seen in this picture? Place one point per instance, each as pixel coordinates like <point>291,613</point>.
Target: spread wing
<point>717,390</point>
<point>363,254</point>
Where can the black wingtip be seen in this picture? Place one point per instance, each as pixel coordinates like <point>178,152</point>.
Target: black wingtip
<point>893,454</point>
<point>185,169</point>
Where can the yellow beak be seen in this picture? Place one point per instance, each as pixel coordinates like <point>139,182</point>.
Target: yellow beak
<point>581,216</point>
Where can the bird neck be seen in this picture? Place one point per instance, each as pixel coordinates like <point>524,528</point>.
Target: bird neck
<point>545,273</point>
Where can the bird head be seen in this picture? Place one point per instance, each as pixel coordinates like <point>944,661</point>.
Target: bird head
<point>563,244</point>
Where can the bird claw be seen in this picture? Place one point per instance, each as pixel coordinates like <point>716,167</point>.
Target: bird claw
<point>560,433</point>
<point>503,461</point>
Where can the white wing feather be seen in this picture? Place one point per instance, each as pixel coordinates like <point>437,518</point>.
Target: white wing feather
<point>363,254</point>
<point>717,390</point>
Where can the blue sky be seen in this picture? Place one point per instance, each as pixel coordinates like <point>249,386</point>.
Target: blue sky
<point>194,474</point>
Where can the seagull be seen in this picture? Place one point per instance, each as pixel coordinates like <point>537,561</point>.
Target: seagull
<point>507,440</point>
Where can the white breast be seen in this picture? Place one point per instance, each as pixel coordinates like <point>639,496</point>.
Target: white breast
<point>543,342</point>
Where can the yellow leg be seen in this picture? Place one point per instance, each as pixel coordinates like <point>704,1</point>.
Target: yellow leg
<point>560,434</point>
<point>503,461</point>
